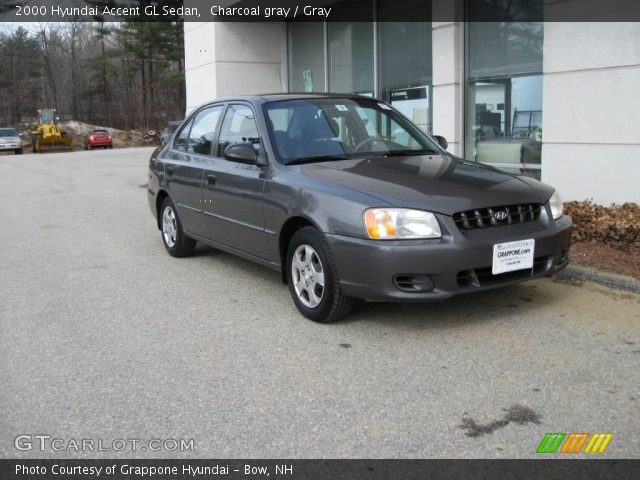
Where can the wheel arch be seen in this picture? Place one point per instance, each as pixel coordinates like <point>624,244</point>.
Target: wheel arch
<point>160,196</point>
<point>287,231</point>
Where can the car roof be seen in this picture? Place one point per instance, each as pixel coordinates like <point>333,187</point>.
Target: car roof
<point>301,96</point>
<point>276,97</point>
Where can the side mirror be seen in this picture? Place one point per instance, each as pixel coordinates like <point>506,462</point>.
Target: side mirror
<point>441,141</point>
<point>241,152</point>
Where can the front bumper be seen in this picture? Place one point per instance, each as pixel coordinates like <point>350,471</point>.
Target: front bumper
<point>100,143</point>
<point>454,264</point>
<point>10,146</point>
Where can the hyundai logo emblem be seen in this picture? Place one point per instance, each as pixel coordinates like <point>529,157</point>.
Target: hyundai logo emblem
<point>500,215</point>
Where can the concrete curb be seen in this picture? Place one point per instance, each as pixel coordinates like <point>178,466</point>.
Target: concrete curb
<point>611,280</point>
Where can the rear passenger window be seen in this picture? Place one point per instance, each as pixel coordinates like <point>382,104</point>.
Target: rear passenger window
<point>204,126</point>
<point>197,135</point>
<point>182,139</point>
<point>239,126</point>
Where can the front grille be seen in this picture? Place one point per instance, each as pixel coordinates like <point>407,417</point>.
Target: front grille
<point>482,277</point>
<point>496,216</point>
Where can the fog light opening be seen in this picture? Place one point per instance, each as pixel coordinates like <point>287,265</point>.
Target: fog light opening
<point>413,283</point>
<point>564,255</point>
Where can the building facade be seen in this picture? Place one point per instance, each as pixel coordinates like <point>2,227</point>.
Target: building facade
<point>559,101</point>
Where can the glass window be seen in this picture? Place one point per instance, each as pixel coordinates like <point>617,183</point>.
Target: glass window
<point>342,128</point>
<point>306,57</point>
<point>239,126</point>
<point>47,116</point>
<point>504,95</point>
<point>350,50</point>
<point>182,139</point>
<point>405,59</point>
<point>204,126</point>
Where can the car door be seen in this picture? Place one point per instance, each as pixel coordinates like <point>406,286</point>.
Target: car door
<point>233,191</point>
<point>184,168</point>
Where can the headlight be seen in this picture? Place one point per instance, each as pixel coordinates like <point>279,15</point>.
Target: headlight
<point>555,202</point>
<point>400,223</point>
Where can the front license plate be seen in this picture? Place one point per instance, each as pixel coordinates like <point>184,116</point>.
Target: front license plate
<point>511,256</point>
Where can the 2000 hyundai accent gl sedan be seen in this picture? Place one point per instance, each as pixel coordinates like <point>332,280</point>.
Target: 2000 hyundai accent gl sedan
<point>349,200</point>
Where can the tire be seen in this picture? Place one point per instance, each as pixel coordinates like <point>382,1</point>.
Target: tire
<point>317,294</point>
<point>175,241</point>
<point>19,151</point>
<point>86,147</point>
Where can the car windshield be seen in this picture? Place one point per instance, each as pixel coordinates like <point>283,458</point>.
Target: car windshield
<point>324,129</point>
<point>8,132</point>
<point>100,132</point>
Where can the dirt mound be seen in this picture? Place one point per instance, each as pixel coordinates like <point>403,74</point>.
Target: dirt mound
<point>617,225</point>
<point>81,129</point>
<point>121,138</point>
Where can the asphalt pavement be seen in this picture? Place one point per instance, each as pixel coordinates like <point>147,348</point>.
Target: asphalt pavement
<point>104,336</point>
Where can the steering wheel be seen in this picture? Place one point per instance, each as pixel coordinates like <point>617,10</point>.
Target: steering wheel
<point>366,141</point>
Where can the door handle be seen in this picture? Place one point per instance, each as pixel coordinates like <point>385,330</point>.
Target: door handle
<point>211,179</point>
<point>169,171</point>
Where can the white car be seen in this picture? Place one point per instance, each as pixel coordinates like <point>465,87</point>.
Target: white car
<point>10,140</point>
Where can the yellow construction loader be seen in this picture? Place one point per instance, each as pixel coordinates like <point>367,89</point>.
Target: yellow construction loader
<point>46,135</point>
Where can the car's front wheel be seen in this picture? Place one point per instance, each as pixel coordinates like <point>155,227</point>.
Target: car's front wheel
<point>174,239</point>
<point>313,278</point>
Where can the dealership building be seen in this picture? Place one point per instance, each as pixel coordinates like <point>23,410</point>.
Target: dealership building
<point>555,100</point>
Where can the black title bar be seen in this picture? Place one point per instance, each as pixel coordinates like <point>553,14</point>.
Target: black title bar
<point>321,10</point>
<point>546,469</point>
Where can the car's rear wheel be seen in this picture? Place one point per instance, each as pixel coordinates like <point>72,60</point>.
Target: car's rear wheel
<point>313,278</point>
<point>174,239</point>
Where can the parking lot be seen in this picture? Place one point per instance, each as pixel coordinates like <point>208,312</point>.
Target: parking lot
<point>103,335</point>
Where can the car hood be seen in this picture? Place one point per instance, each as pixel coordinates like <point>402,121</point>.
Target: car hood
<point>9,139</point>
<point>438,183</point>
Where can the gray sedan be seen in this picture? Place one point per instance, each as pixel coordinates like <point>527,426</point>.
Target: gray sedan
<point>349,200</point>
<point>10,141</point>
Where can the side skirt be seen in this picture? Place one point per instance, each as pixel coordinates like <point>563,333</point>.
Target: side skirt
<point>237,253</point>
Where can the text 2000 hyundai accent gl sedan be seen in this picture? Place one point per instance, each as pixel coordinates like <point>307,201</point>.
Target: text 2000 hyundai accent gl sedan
<point>349,200</point>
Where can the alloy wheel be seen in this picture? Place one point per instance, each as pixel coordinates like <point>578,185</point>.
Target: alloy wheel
<point>307,274</point>
<point>169,226</point>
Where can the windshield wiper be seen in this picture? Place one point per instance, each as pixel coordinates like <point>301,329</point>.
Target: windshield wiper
<point>409,153</point>
<point>314,159</point>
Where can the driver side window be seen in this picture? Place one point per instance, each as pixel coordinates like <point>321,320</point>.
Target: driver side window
<point>239,126</point>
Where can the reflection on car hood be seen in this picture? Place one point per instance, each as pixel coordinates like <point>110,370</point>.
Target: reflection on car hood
<point>439,183</point>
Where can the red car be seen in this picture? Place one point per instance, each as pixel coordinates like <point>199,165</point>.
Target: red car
<point>98,138</point>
